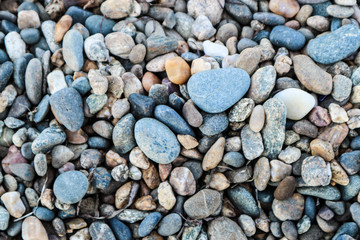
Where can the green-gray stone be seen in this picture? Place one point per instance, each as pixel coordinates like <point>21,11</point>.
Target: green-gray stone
<point>327,192</point>
<point>243,200</point>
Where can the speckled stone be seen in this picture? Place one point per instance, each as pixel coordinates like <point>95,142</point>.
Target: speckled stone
<point>274,130</point>
<point>149,223</point>
<point>243,200</point>
<point>156,140</point>
<point>225,228</point>
<point>328,192</point>
<point>324,49</point>
<point>214,123</point>
<point>123,134</point>
<point>70,187</point>
<point>289,209</point>
<point>202,204</point>
<point>206,87</point>
<point>47,139</point>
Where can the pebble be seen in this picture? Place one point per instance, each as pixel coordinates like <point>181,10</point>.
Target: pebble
<point>96,24</point>
<point>123,136</point>
<point>170,224</point>
<point>224,227</point>
<point>73,50</point>
<point>305,70</point>
<point>66,191</point>
<point>323,48</point>
<point>251,143</point>
<point>261,173</point>
<point>120,230</point>
<point>341,88</point>
<point>211,9</point>
<point>28,19</point>
<point>119,44</point>
<point>243,201</point>
<point>318,22</point>
<point>298,102</point>
<point>32,229</point>
<point>214,155</point>
<point>279,170</point>
<point>248,60</point>
<point>290,155</point>
<point>30,35</point>
<point>274,130</point>
<point>328,192</point>
<point>61,27</point>
<point>95,48</point>
<point>269,18</point>
<point>283,36</point>
<point>149,133</point>
<point>47,28</point>
<point>285,189</point>
<point>202,204</point>
<point>56,81</point>
<point>241,13</point>
<point>99,230</point>
<point>4,218</point>
<point>149,223</point>
<point>322,148</point>
<point>15,46</point>
<point>67,107</point>
<point>119,9</point>
<point>48,138</point>
<point>13,204</point>
<point>210,84</point>
<point>289,209</point>
<point>262,83</point>
<point>183,181</point>
<point>287,8</point>
<point>203,28</point>
<point>177,70</point>
<point>96,102</point>
<point>338,11</point>
<point>6,70</point>
<point>166,196</point>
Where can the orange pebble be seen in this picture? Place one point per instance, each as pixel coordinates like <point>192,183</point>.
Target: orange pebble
<point>177,70</point>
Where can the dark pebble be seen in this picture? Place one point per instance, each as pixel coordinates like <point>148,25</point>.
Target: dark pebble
<point>149,223</point>
<point>44,214</point>
<point>98,24</point>
<point>120,230</point>
<point>141,106</point>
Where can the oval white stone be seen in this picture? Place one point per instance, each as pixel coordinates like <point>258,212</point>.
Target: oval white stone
<point>298,102</point>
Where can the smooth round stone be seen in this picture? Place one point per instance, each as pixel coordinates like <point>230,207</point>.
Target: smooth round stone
<point>67,107</point>
<point>240,12</point>
<point>33,81</point>
<point>270,19</point>
<point>348,228</point>
<point>47,139</point>
<point>273,132</point>
<point>328,192</point>
<point>338,11</point>
<point>43,109</point>
<point>19,73</point>
<point>262,83</point>
<point>3,57</point>
<point>159,93</point>
<point>230,85</point>
<point>176,102</point>
<point>96,24</point>
<point>78,14</point>
<point>173,120</point>
<point>82,85</point>
<point>123,134</point>
<point>225,228</point>
<point>44,214</point>
<point>120,230</point>
<point>324,49</point>
<point>73,44</point>
<point>100,230</point>
<point>8,27</point>
<point>282,36</point>
<point>32,228</point>
<point>15,46</point>
<point>23,170</point>
<point>47,29</point>
<point>170,224</point>
<point>4,218</point>
<point>70,187</point>
<point>245,43</point>
<point>289,209</point>
<point>298,102</point>
<point>202,204</point>
<point>6,70</point>
<point>243,200</point>
<point>214,123</point>
<point>355,144</point>
<point>13,123</point>
<point>56,81</point>
<point>156,140</point>
<point>203,28</point>
<point>342,88</point>
<point>30,35</point>
<point>234,159</point>
<point>352,189</point>
<point>149,223</point>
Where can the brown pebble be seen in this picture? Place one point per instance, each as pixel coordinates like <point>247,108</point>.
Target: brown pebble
<point>286,188</point>
<point>191,114</point>
<point>335,134</point>
<point>145,203</point>
<point>249,60</point>
<point>257,118</point>
<point>61,27</point>
<point>320,116</point>
<point>113,159</point>
<point>214,155</point>
<point>177,70</point>
<point>151,176</point>
<point>78,137</point>
<point>187,141</point>
<point>149,79</point>
<point>122,195</point>
<point>164,171</point>
<point>285,8</point>
<point>322,148</point>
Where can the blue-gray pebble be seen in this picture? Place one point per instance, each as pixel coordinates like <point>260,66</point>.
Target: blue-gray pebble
<point>78,14</point>
<point>173,120</point>
<point>98,24</point>
<point>73,45</point>
<point>149,223</point>
<point>207,87</point>
<point>243,200</point>
<point>30,35</point>
<point>120,230</point>
<point>6,69</point>
<point>44,214</point>
<point>123,134</point>
<point>156,140</point>
<point>335,46</point>
<point>282,36</point>
<point>270,19</point>
<point>214,123</point>
<point>70,187</point>
<point>67,106</point>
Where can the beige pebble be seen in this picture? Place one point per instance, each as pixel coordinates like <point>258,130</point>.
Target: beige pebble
<point>187,141</point>
<point>61,27</point>
<point>13,204</point>
<point>139,159</point>
<point>214,155</point>
<point>32,229</point>
<point>166,196</point>
<point>257,118</point>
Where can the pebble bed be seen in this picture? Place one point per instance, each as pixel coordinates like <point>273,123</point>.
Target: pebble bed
<point>179,120</point>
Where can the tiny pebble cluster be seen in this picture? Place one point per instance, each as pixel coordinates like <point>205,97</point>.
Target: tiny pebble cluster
<point>179,119</point>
